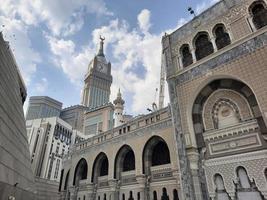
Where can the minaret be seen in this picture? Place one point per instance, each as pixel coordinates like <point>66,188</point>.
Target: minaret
<point>118,110</point>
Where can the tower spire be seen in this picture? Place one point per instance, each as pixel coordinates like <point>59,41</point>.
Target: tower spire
<point>101,49</point>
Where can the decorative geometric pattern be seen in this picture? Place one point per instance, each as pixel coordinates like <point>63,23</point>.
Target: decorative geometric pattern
<point>229,97</point>
<point>255,163</point>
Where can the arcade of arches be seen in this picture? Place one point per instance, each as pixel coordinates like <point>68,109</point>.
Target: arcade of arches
<point>148,172</point>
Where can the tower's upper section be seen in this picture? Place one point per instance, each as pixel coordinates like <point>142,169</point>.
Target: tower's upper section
<point>99,63</point>
<point>97,80</point>
<point>118,100</point>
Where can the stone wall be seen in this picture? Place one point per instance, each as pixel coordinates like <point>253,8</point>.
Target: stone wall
<point>16,177</point>
<point>47,189</point>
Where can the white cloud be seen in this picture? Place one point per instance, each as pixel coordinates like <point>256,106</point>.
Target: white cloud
<point>41,86</point>
<point>73,64</point>
<point>16,32</point>
<point>144,20</point>
<point>204,5</point>
<point>61,17</point>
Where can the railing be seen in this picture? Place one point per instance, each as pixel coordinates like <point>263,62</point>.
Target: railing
<point>161,171</point>
<point>128,177</point>
<point>155,118</point>
<point>242,128</point>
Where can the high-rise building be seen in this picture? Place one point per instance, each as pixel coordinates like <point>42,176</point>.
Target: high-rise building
<point>74,115</point>
<point>49,140</point>
<point>97,80</point>
<point>16,176</point>
<point>42,107</point>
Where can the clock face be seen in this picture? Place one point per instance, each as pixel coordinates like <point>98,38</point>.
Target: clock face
<point>102,68</point>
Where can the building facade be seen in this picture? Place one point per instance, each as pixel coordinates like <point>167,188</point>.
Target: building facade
<point>98,119</point>
<point>136,160</point>
<point>49,140</point>
<point>216,73</point>
<point>74,115</point>
<point>97,81</point>
<point>42,107</point>
<point>16,176</point>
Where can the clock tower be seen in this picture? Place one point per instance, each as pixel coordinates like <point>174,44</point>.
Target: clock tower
<point>97,80</point>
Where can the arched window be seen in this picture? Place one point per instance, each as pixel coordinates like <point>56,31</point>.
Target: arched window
<point>80,172</point>
<point>243,178</point>
<point>187,58</point>
<point>123,196</point>
<point>105,197</point>
<point>100,167</point>
<point>131,196</point>
<point>175,195</point>
<point>222,37</point>
<point>203,45</point>
<point>258,11</point>
<point>138,196</point>
<point>246,188</point>
<point>129,161</point>
<point>124,161</point>
<point>220,189</point>
<point>156,152</point>
<point>164,194</point>
<point>160,154</point>
<point>155,195</point>
<point>84,197</point>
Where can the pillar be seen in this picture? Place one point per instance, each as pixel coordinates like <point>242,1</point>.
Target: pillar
<point>193,52</point>
<point>142,181</point>
<point>214,44</point>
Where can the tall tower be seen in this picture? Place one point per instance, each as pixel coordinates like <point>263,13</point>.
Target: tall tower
<point>97,80</point>
<point>118,110</point>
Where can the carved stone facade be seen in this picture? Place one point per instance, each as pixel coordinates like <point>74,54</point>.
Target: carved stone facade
<point>219,102</point>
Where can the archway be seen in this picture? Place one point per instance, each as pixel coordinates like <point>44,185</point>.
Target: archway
<point>100,167</point>
<point>124,161</point>
<point>80,172</point>
<point>231,85</point>
<point>155,152</point>
<point>203,45</point>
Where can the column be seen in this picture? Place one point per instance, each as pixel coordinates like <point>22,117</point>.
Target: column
<point>180,62</point>
<point>193,52</point>
<point>212,39</point>
<point>251,24</point>
<point>141,179</point>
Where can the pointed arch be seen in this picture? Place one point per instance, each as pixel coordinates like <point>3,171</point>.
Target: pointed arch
<point>100,167</point>
<point>80,172</point>
<point>222,38</point>
<point>258,11</point>
<point>124,161</point>
<point>155,152</point>
<point>203,45</point>
<point>186,55</point>
<point>230,84</point>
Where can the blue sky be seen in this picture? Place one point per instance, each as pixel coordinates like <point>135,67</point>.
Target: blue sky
<point>54,41</point>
